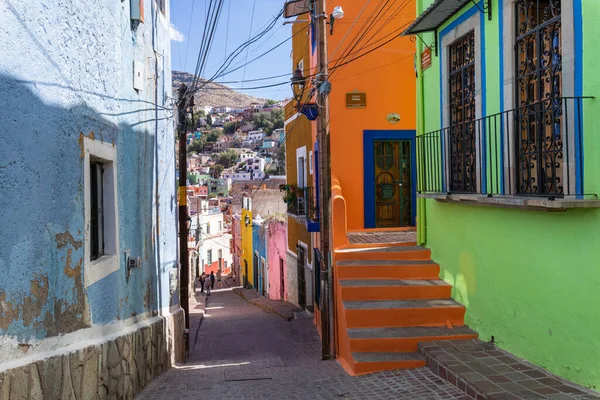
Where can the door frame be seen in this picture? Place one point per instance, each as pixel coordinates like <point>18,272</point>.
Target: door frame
<point>369,138</point>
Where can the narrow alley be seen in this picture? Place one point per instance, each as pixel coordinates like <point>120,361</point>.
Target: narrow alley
<point>243,352</point>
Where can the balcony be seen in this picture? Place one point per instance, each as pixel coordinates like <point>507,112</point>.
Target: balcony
<point>301,203</point>
<point>527,157</point>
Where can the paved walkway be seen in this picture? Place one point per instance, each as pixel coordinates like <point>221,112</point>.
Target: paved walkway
<point>243,352</point>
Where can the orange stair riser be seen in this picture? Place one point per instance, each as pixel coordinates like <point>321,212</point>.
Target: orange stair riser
<point>423,255</point>
<point>401,317</point>
<point>396,292</point>
<point>370,367</point>
<point>402,345</point>
<point>389,272</point>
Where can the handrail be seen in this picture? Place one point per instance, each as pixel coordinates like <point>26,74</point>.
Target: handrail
<point>533,150</point>
<point>339,217</point>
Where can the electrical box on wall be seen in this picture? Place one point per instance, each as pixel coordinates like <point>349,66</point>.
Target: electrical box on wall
<point>137,10</point>
<point>138,75</point>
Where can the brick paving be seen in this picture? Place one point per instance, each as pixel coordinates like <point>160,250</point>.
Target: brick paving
<point>383,237</point>
<point>485,372</point>
<point>243,352</point>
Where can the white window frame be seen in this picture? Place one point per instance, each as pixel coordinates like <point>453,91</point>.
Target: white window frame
<point>301,179</point>
<point>567,33</point>
<point>471,24</point>
<point>310,161</point>
<point>110,261</point>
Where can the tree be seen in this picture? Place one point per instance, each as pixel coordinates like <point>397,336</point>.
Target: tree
<point>229,128</point>
<point>213,136</point>
<point>216,171</point>
<point>197,146</point>
<point>227,158</point>
<point>269,121</point>
<point>270,102</point>
<point>209,120</point>
<point>199,114</point>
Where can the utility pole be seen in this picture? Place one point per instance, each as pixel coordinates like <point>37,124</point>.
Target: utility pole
<point>184,271</point>
<point>320,15</point>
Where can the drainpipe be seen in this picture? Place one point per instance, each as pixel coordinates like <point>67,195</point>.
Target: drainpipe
<point>421,215</point>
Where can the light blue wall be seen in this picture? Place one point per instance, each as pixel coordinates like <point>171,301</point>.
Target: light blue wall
<point>67,69</point>
<point>259,245</point>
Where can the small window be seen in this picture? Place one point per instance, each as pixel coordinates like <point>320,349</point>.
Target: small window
<point>208,228</point>
<point>220,253</point>
<point>101,246</point>
<point>220,227</point>
<point>97,211</point>
<point>209,256</point>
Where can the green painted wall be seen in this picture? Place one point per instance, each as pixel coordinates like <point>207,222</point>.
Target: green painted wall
<point>530,278</point>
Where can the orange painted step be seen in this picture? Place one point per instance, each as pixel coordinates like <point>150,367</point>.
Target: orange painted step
<point>403,339</point>
<point>384,253</point>
<point>365,363</point>
<point>399,313</point>
<point>394,289</point>
<point>387,269</point>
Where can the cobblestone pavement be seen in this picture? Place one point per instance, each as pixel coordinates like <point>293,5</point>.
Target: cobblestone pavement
<point>243,352</point>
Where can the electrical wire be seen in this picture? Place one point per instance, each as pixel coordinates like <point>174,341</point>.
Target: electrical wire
<point>249,36</point>
<point>187,47</point>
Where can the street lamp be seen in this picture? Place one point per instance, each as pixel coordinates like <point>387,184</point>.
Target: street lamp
<point>338,13</point>
<point>298,84</point>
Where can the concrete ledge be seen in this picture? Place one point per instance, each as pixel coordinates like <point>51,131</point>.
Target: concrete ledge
<point>523,203</point>
<point>278,307</point>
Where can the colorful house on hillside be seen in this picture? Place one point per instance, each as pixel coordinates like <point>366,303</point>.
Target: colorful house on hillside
<point>247,273</point>
<point>276,237</point>
<point>505,121</point>
<point>259,255</point>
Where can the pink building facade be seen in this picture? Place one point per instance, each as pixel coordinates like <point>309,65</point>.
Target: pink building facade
<point>276,254</point>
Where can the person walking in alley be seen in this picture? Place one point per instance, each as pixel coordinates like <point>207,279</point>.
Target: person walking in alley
<point>219,282</point>
<point>212,280</point>
<point>207,285</point>
<point>202,279</point>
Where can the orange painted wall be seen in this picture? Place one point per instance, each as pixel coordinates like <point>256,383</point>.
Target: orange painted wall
<point>387,77</point>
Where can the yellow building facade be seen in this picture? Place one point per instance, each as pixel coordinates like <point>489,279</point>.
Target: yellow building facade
<point>246,270</point>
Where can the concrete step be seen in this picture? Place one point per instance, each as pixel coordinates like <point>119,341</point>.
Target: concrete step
<point>365,363</point>
<point>404,339</point>
<point>384,253</point>
<point>401,313</point>
<point>394,289</point>
<point>387,269</point>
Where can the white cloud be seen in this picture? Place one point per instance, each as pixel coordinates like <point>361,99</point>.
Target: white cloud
<point>175,35</point>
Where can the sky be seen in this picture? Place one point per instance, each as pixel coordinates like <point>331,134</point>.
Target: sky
<point>188,20</point>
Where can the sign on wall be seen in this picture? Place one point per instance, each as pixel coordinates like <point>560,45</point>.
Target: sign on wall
<point>426,59</point>
<point>356,100</point>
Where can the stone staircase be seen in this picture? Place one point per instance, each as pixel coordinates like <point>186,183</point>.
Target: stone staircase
<point>389,299</point>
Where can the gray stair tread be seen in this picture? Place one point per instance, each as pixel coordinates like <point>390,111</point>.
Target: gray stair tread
<point>391,304</point>
<point>408,332</point>
<point>390,249</point>
<point>382,263</point>
<point>386,357</point>
<point>391,282</point>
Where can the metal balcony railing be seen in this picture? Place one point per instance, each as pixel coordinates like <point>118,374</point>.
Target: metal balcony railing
<point>533,150</point>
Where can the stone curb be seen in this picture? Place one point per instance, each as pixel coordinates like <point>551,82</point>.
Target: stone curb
<point>262,305</point>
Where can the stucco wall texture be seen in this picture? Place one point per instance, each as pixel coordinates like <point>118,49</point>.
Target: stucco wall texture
<point>66,71</point>
<point>526,277</point>
<point>276,252</point>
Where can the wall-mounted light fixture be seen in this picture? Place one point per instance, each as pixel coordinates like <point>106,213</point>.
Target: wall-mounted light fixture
<point>338,13</point>
<point>298,84</point>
